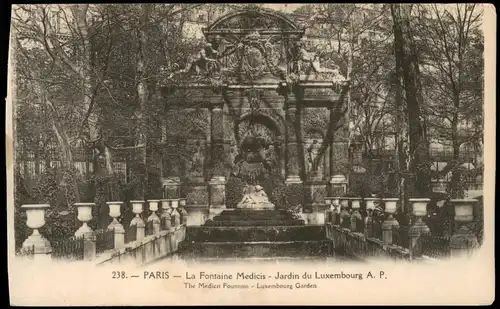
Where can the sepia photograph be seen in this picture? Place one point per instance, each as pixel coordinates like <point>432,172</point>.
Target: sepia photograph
<point>163,146</point>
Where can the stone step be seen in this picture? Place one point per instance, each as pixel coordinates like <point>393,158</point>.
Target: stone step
<point>317,260</point>
<point>255,233</point>
<point>253,211</point>
<point>254,222</point>
<point>256,249</point>
<point>240,217</point>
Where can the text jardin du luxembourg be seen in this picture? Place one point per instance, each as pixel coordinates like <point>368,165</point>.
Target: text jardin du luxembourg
<point>211,280</point>
<point>279,275</point>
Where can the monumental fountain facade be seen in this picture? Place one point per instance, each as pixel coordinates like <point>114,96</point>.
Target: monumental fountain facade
<point>254,105</point>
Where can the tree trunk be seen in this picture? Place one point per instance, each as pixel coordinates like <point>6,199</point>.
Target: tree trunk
<point>408,73</point>
<point>456,175</point>
<point>142,94</point>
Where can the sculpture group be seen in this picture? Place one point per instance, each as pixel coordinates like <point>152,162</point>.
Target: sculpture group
<point>254,55</point>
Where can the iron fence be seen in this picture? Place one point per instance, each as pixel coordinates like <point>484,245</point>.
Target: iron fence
<point>435,246</point>
<point>70,249</point>
<point>26,252</point>
<point>104,240</point>
<point>130,234</point>
<point>400,236</point>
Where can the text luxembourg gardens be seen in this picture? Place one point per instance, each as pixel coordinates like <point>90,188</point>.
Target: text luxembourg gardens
<point>217,132</point>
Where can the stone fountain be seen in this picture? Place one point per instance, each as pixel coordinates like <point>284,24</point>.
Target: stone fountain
<point>252,169</point>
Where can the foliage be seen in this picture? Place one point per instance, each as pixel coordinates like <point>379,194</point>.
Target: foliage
<point>294,195</point>
<point>234,191</point>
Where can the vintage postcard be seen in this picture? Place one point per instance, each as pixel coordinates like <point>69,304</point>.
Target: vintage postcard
<point>260,154</point>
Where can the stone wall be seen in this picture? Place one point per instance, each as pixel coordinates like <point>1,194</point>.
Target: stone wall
<point>150,249</point>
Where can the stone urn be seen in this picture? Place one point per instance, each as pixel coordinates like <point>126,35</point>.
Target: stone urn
<point>115,213</point>
<point>137,209</point>
<point>36,220</point>
<point>419,210</point>
<point>463,241</point>
<point>84,216</point>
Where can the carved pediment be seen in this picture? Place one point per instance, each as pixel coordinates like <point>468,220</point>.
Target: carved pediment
<point>250,20</point>
<point>255,46</point>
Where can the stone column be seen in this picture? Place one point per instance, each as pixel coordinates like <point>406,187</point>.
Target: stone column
<point>390,222</point>
<point>339,152</point>
<point>117,227</point>
<point>36,243</point>
<point>217,182</point>
<point>419,209</point>
<point>197,196</point>
<point>463,242</point>
<point>137,221</point>
<point>89,239</point>
<point>292,128</point>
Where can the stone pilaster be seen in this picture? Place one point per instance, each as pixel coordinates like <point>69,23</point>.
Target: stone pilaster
<point>197,194</point>
<point>217,140</point>
<point>218,180</point>
<point>292,128</point>
<point>217,196</point>
<point>339,156</point>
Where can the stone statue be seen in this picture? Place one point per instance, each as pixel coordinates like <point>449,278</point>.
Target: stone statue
<point>271,156</point>
<point>198,160</point>
<point>205,60</point>
<point>312,158</point>
<point>255,197</point>
<point>315,59</point>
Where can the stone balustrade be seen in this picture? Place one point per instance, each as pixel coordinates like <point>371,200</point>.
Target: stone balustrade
<point>377,232</point>
<point>358,227</point>
<point>159,231</point>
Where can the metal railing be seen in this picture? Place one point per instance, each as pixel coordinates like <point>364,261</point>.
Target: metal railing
<point>435,246</point>
<point>70,249</point>
<point>104,240</point>
<point>130,234</point>
<point>400,236</point>
<point>26,252</point>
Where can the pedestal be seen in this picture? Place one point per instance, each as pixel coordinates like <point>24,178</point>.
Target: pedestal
<point>463,242</point>
<point>217,195</point>
<point>414,233</point>
<point>317,215</point>
<point>155,221</point>
<point>172,187</point>
<point>314,201</point>
<point>197,201</point>
<point>39,245</point>
<point>387,228</point>
<point>119,233</point>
